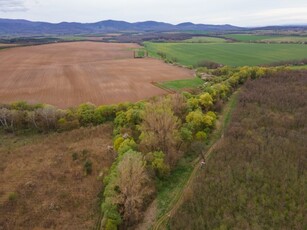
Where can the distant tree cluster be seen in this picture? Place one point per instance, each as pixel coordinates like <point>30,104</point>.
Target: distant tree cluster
<point>208,64</point>
<point>256,179</point>
<point>290,63</point>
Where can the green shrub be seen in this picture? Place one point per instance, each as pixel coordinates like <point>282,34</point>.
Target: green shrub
<point>65,125</point>
<point>12,196</point>
<point>206,100</point>
<point>117,142</point>
<point>74,156</point>
<point>88,167</point>
<point>111,225</point>
<point>209,119</point>
<point>110,211</point>
<point>195,119</point>
<point>86,114</point>
<point>186,134</point>
<point>158,164</point>
<point>104,113</point>
<point>126,145</point>
<point>201,136</point>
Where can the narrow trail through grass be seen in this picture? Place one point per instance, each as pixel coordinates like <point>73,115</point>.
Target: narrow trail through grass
<point>217,136</point>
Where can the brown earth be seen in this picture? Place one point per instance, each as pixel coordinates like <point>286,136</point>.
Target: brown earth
<point>68,74</point>
<point>43,187</point>
<point>7,45</point>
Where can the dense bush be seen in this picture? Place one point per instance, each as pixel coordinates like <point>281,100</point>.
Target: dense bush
<point>256,179</point>
<point>291,62</point>
<point>208,64</point>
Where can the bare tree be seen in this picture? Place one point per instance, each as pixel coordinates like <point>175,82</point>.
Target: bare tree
<point>47,117</point>
<point>160,130</point>
<point>179,105</point>
<point>133,187</point>
<point>9,118</point>
<point>6,118</point>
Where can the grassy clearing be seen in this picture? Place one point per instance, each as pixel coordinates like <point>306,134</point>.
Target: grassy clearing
<point>168,188</point>
<point>225,119</point>
<point>12,141</point>
<point>233,54</point>
<point>72,38</point>
<point>182,84</point>
<point>205,40</point>
<point>297,67</point>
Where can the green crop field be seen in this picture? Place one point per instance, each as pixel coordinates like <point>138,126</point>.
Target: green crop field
<point>182,84</point>
<point>233,54</point>
<point>250,37</point>
<point>205,40</point>
<point>300,67</point>
<point>287,39</point>
<point>266,38</point>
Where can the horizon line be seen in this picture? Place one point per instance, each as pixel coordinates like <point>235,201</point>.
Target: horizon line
<point>117,20</point>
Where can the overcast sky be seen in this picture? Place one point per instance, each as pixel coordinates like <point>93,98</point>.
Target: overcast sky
<point>237,12</point>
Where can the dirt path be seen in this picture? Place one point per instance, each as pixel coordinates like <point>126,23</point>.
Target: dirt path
<point>177,201</point>
<point>161,223</point>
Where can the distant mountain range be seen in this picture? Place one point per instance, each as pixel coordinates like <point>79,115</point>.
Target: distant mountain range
<point>26,28</point>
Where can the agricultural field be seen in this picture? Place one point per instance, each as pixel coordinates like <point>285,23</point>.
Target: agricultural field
<point>298,67</point>
<point>289,39</point>
<point>267,38</point>
<point>233,54</point>
<point>53,181</point>
<point>205,40</point>
<point>182,84</point>
<point>250,37</point>
<point>68,74</point>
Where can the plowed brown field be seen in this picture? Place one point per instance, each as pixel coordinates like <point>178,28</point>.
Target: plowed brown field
<point>68,74</point>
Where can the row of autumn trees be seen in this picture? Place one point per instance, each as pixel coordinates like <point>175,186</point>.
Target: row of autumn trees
<point>149,137</point>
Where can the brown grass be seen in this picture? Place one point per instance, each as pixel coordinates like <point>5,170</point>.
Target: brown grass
<point>68,74</point>
<point>52,190</point>
<point>7,45</point>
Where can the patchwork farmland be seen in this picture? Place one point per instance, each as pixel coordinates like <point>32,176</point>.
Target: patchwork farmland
<point>68,74</point>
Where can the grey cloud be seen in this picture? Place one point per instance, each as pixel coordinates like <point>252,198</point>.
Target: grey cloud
<point>12,5</point>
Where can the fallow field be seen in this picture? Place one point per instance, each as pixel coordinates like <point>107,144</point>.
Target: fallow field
<point>44,184</point>
<point>68,74</point>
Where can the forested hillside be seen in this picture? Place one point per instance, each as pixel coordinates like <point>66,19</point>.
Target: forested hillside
<point>256,179</point>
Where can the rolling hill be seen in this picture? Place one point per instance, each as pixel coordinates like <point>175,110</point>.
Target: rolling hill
<point>24,27</point>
